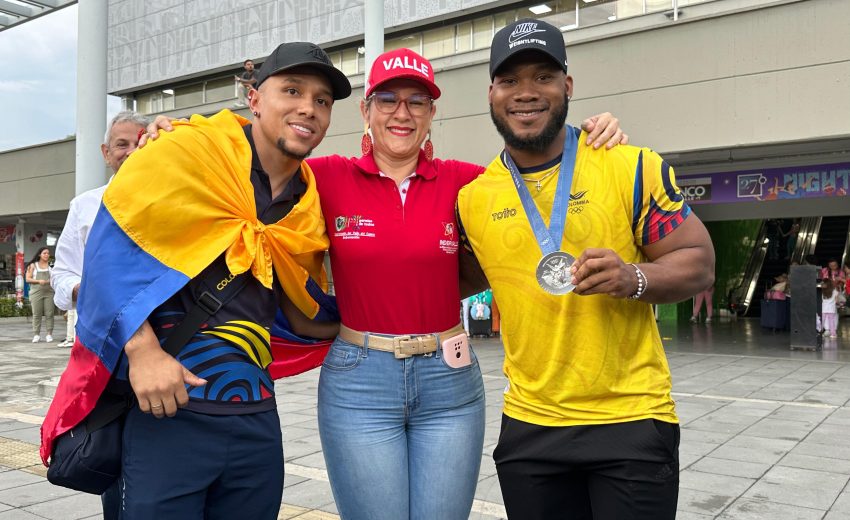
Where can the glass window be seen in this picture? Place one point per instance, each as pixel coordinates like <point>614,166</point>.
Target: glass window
<point>189,96</point>
<point>220,89</point>
<point>463,37</point>
<point>148,103</point>
<point>167,99</point>
<point>349,62</point>
<point>627,8</point>
<point>482,32</point>
<point>503,19</point>
<point>438,42</point>
<point>336,58</point>
<point>411,41</point>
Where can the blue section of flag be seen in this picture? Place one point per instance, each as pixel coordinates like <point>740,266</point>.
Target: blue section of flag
<point>328,311</point>
<point>121,285</point>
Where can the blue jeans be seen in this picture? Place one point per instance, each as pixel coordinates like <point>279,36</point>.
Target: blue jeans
<point>402,438</point>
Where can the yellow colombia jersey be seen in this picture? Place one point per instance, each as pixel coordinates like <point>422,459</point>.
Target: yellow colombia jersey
<point>573,359</point>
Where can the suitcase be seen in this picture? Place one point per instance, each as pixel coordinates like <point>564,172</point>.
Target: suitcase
<point>774,314</point>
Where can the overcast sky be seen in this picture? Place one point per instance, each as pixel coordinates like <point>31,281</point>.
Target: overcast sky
<point>38,85</point>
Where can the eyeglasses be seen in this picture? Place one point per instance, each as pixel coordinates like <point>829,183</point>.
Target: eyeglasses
<point>388,102</point>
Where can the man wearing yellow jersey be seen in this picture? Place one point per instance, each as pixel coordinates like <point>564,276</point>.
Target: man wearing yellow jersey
<point>589,427</point>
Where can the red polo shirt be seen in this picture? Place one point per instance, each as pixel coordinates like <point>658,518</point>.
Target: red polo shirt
<point>395,265</point>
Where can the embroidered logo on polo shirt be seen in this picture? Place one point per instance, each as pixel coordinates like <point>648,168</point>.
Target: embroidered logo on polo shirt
<point>449,242</point>
<point>355,226</point>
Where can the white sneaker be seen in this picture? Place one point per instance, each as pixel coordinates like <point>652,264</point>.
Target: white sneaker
<point>65,344</point>
<point>49,338</point>
<point>693,319</point>
<point>36,338</point>
<point>708,321</point>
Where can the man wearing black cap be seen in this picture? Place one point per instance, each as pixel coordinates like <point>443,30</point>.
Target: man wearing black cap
<point>211,447</point>
<point>577,243</point>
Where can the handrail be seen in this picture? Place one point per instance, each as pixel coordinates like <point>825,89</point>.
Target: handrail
<point>743,292</point>
<point>807,238</point>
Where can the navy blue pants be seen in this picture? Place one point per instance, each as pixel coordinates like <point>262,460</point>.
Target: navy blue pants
<point>196,466</point>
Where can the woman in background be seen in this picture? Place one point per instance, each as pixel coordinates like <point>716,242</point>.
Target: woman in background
<point>41,294</point>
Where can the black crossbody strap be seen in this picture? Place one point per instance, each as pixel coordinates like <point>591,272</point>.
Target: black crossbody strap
<point>217,288</point>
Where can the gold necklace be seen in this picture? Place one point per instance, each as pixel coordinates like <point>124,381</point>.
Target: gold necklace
<point>537,180</point>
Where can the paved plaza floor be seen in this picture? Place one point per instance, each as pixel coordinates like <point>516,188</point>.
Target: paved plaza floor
<point>765,430</point>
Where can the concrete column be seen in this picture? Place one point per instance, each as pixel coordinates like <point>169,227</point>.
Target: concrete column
<point>91,94</point>
<point>374,33</point>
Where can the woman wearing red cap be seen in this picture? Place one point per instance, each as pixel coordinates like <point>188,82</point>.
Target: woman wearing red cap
<point>401,421</point>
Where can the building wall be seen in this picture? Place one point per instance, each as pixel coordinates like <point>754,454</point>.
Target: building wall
<point>157,40</point>
<point>752,78</point>
<point>765,82</point>
<point>36,179</point>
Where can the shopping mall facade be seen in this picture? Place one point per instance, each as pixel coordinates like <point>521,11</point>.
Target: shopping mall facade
<point>718,87</point>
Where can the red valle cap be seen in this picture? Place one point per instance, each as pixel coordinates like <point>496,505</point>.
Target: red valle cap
<point>402,63</point>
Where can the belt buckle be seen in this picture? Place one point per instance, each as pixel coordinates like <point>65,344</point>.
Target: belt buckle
<point>397,347</point>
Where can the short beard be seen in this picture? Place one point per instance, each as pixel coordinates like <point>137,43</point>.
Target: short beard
<point>281,145</point>
<point>537,143</point>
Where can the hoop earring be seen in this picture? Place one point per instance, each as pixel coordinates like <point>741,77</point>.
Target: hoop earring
<point>429,147</point>
<point>366,141</point>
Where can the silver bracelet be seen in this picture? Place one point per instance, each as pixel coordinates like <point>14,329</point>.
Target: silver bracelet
<point>642,283</point>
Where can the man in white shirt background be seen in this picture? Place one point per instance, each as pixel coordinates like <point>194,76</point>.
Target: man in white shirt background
<point>122,137</point>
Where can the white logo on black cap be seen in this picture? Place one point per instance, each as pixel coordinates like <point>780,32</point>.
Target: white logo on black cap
<point>522,30</point>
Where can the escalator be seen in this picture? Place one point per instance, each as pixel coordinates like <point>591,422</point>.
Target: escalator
<point>832,240</point>
<point>776,260</point>
<point>770,258</point>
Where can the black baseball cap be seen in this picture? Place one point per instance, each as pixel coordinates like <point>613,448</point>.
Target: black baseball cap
<point>304,54</point>
<point>527,34</point>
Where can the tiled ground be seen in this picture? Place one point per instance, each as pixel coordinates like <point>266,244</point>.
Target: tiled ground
<point>764,429</point>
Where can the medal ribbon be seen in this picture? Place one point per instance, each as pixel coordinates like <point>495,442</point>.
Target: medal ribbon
<point>549,239</point>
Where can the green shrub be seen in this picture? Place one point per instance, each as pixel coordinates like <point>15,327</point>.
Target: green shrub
<point>8,308</point>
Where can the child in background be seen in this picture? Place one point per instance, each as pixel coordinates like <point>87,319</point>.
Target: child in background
<point>829,311</point>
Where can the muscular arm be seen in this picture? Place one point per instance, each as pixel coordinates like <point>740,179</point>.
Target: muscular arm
<point>304,326</point>
<point>680,265</point>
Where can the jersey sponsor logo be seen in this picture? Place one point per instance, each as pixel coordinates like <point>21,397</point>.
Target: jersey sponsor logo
<point>353,227</point>
<point>449,242</point>
<point>406,63</point>
<point>505,213</point>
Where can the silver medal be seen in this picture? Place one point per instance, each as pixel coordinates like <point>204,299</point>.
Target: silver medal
<point>553,272</point>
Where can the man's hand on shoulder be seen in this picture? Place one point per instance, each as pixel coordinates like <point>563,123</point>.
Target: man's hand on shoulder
<point>604,129</point>
<point>152,130</point>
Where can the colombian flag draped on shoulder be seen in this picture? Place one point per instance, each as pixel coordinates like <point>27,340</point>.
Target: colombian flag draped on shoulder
<point>176,206</point>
